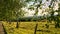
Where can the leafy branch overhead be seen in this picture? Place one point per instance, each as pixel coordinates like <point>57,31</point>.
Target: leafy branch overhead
<point>8,8</point>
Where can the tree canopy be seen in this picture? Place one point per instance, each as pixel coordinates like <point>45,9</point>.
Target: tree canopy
<point>10,8</point>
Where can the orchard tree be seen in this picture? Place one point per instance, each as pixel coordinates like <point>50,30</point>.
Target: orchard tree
<point>53,17</point>
<point>51,10</point>
<point>9,9</point>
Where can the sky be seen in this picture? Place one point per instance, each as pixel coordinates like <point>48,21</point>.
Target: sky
<point>46,4</point>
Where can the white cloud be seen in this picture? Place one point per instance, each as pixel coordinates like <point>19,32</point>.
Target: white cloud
<point>56,6</point>
<point>56,13</point>
<point>45,6</point>
<point>29,12</point>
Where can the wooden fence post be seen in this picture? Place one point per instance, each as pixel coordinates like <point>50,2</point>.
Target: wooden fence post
<point>17,25</point>
<point>35,28</point>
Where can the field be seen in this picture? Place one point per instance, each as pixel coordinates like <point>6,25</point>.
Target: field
<point>29,28</point>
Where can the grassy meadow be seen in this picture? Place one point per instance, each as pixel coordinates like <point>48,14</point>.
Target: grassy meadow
<point>29,28</point>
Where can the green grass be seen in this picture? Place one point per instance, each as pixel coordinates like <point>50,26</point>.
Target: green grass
<point>29,28</point>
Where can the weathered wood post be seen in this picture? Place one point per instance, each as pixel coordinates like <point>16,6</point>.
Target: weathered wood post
<point>4,29</point>
<point>35,28</point>
<point>17,24</point>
